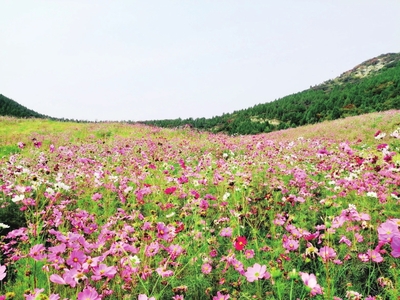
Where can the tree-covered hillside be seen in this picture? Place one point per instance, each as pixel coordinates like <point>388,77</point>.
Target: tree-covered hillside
<point>374,85</point>
<point>11,108</point>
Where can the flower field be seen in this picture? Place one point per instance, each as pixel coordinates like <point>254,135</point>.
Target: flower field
<point>118,211</point>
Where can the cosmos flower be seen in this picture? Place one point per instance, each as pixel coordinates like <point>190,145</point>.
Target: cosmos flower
<point>311,282</point>
<point>255,272</point>
<point>3,272</point>
<point>326,253</point>
<point>206,268</point>
<point>89,293</point>
<point>240,243</point>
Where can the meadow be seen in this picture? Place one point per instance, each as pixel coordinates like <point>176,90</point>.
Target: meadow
<point>121,211</point>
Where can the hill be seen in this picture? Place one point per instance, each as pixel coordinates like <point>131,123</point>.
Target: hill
<point>373,85</point>
<point>11,108</point>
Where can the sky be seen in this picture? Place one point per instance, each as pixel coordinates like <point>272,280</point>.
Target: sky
<point>164,59</point>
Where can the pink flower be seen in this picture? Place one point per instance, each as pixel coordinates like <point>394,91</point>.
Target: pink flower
<point>345,240</point>
<point>387,230</point>
<point>326,253</point>
<point>226,232</point>
<point>311,281</point>
<point>165,232</point>
<point>53,297</point>
<point>238,266</point>
<point>144,297</point>
<point>395,246</point>
<point>206,268</point>
<point>174,251</point>
<point>363,257</point>
<point>163,272</point>
<point>221,296</point>
<point>35,295</point>
<point>291,244</point>
<point>103,270</point>
<point>256,272</point>
<point>89,293</point>
<point>36,252</point>
<point>152,249</point>
<point>3,272</point>
<point>76,259</point>
<point>249,253</point>
<point>97,196</point>
<point>375,256</point>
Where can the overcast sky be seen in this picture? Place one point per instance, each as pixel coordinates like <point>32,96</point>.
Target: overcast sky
<point>144,60</point>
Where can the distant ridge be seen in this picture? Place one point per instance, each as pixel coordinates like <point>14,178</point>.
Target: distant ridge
<point>11,108</point>
<point>373,85</point>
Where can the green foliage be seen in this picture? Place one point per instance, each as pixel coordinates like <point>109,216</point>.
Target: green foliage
<point>9,107</point>
<point>8,150</point>
<point>12,216</point>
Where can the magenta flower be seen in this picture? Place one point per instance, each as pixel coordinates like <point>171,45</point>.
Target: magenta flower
<point>165,232</point>
<point>152,249</point>
<point>170,190</point>
<point>103,270</point>
<point>240,243</point>
<point>36,252</point>
<point>326,253</point>
<point>76,259</point>
<point>89,293</point>
<point>255,272</point>
<point>174,251</point>
<point>291,244</point>
<point>395,246</point>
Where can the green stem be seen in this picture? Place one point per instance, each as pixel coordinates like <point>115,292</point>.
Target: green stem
<point>291,290</point>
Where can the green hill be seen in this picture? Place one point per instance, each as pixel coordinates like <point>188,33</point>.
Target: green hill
<point>11,108</point>
<point>373,85</point>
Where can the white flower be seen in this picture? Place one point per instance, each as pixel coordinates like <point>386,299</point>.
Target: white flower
<point>226,196</point>
<point>18,198</point>
<point>372,194</point>
<point>135,259</point>
<point>50,191</point>
<point>61,185</point>
<point>352,207</point>
<point>380,136</point>
<point>170,215</point>
<point>2,225</point>
<point>396,133</point>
